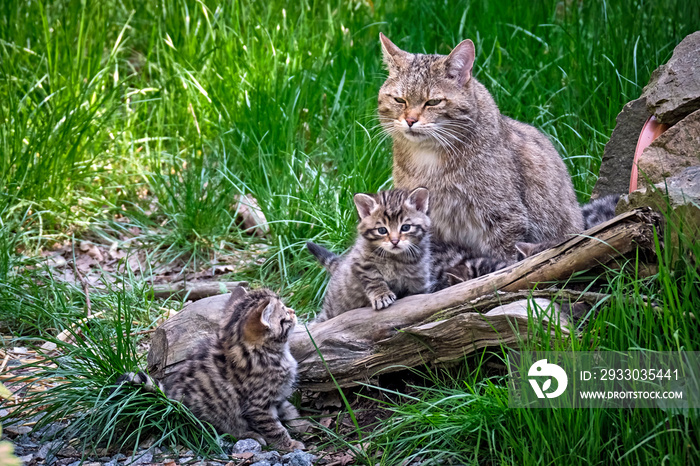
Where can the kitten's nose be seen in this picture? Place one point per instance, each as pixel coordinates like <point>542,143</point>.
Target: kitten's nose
<point>410,121</point>
<point>394,241</point>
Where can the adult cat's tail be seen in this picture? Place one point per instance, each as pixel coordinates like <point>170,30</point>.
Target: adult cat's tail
<point>146,382</point>
<point>327,259</point>
<point>599,210</point>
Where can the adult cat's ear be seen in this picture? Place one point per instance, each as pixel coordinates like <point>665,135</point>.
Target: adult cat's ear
<point>365,204</point>
<point>461,61</point>
<point>418,198</point>
<point>393,56</point>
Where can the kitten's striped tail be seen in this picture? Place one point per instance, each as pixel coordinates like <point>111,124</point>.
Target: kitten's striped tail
<point>146,382</point>
<point>327,259</point>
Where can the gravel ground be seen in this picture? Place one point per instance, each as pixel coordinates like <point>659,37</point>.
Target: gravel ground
<point>32,450</point>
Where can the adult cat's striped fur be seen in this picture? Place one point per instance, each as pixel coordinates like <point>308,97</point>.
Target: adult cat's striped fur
<point>239,380</point>
<point>493,181</point>
<point>391,256</point>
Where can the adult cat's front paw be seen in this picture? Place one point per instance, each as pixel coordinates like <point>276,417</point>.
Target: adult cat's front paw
<point>383,300</point>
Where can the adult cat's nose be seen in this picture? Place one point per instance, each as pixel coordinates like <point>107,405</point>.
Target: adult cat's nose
<point>410,121</point>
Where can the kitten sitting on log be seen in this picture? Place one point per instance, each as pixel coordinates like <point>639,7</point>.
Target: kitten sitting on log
<point>390,258</point>
<point>239,380</point>
<point>394,256</point>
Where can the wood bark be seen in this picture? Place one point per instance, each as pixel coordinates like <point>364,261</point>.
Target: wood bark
<point>194,291</point>
<point>445,326</point>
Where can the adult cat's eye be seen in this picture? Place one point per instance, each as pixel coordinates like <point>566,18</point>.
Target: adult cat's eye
<point>433,102</point>
<point>399,100</point>
<point>382,231</point>
<point>405,227</point>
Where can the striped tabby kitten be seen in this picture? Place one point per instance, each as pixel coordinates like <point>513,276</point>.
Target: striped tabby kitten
<point>452,265</point>
<point>239,381</point>
<point>390,258</point>
<point>493,181</point>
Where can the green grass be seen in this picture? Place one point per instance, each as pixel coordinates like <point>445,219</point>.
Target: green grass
<point>164,111</point>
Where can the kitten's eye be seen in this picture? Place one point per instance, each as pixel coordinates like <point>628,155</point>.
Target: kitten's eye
<point>433,102</point>
<point>399,100</point>
<point>382,231</point>
<point>405,227</point>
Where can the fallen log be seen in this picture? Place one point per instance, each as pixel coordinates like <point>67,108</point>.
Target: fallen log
<point>440,327</point>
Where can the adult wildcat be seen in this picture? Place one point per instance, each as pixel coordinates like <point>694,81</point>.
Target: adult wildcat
<point>239,381</point>
<point>493,181</point>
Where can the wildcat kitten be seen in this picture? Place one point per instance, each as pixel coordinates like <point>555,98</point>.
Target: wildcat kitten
<point>391,257</point>
<point>239,381</point>
<point>493,181</point>
<point>453,264</point>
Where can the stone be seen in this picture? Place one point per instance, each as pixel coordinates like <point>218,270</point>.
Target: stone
<point>270,456</point>
<point>672,152</point>
<point>261,463</point>
<point>247,445</point>
<point>298,458</point>
<point>140,458</point>
<point>17,430</point>
<point>26,459</point>
<point>674,88</point>
<point>616,165</point>
<point>678,196</point>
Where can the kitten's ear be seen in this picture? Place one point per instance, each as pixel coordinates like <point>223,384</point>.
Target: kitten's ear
<point>419,199</point>
<point>266,313</point>
<point>525,250</point>
<point>365,204</point>
<point>236,294</point>
<point>393,56</point>
<point>461,61</point>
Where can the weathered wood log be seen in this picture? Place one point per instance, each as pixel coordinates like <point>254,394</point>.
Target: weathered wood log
<point>442,326</point>
<point>439,327</point>
<point>195,290</point>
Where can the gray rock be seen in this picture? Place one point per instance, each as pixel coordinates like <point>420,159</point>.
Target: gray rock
<point>616,166</point>
<point>278,464</point>
<point>26,441</point>
<point>270,456</point>
<point>17,430</point>
<point>261,463</point>
<point>185,459</point>
<point>674,88</point>
<point>298,458</point>
<point>672,152</point>
<point>680,192</point>
<point>75,463</point>
<point>247,445</point>
<point>26,459</point>
<point>140,458</point>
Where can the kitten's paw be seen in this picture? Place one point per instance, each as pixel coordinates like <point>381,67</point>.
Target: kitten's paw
<point>300,426</point>
<point>382,301</point>
<point>296,445</point>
